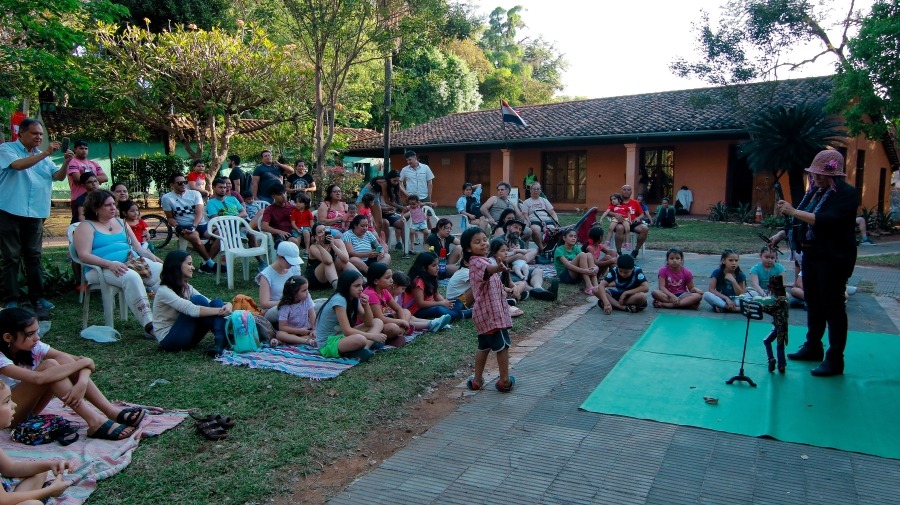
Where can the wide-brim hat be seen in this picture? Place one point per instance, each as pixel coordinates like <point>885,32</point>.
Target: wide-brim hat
<point>519,222</point>
<point>828,162</point>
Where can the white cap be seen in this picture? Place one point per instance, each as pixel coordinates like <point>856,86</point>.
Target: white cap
<point>290,252</point>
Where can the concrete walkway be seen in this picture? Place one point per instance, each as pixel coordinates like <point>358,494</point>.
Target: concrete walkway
<point>535,446</point>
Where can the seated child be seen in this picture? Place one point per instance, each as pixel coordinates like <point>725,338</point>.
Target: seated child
<point>572,265</point>
<point>33,488</point>
<point>128,210</point>
<point>398,322</point>
<point>763,271</point>
<point>296,314</point>
<point>604,256</point>
<point>301,220</point>
<point>337,334</point>
<point>726,284</point>
<point>418,222</point>
<point>665,215</point>
<point>676,284</point>
<point>624,287</point>
<point>617,213</point>
<point>252,206</point>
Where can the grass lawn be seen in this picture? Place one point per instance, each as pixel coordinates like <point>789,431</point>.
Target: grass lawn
<point>287,426</point>
<point>882,260</point>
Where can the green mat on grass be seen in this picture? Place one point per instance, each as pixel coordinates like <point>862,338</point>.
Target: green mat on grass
<point>681,359</point>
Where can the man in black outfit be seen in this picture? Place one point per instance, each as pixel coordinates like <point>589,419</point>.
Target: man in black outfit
<point>824,231</point>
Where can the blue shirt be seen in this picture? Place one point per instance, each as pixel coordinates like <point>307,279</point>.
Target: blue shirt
<point>25,192</point>
<point>229,206</point>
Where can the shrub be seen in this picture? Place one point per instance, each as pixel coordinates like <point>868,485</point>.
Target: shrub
<point>349,181</point>
<point>744,213</point>
<point>146,173</point>
<point>719,212</point>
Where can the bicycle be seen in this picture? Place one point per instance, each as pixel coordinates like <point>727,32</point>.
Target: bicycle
<point>159,229</point>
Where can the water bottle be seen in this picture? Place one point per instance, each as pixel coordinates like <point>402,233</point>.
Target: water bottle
<point>442,262</point>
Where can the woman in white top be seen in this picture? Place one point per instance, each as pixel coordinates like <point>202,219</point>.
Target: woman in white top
<point>271,280</point>
<point>181,315</point>
<point>104,241</point>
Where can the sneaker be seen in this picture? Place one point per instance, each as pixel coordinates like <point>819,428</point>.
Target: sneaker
<point>417,242</point>
<point>398,246</point>
<point>635,252</point>
<point>511,302</point>
<point>213,351</point>
<point>207,268</point>
<point>362,355</point>
<point>435,325</point>
<point>554,286</point>
<point>445,321</point>
<point>43,302</point>
<point>524,296</point>
<point>867,241</point>
<point>828,369</point>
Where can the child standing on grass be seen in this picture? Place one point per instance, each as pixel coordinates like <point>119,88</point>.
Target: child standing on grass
<point>296,314</point>
<point>676,284</point>
<point>301,219</point>
<point>726,283</point>
<point>490,313</point>
<point>32,475</point>
<point>418,222</point>
<point>763,271</point>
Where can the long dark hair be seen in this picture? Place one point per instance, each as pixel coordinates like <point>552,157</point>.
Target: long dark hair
<point>328,190</point>
<point>291,286</point>
<point>419,270</point>
<point>393,190</point>
<point>720,277</point>
<point>12,321</point>
<point>502,219</point>
<point>345,281</point>
<point>171,275</point>
<point>124,207</point>
<point>440,224</point>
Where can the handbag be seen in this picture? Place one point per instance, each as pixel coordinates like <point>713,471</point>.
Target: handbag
<point>138,264</point>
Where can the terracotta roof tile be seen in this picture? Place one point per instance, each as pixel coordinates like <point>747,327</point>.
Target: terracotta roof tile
<point>696,111</point>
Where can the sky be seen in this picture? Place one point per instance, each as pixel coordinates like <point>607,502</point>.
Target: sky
<point>625,47</point>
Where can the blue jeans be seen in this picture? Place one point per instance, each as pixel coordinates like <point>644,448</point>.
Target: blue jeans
<point>455,312</point>
<point>188,331</point>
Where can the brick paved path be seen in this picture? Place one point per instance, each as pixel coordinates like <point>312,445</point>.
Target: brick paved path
<point>535,446</point>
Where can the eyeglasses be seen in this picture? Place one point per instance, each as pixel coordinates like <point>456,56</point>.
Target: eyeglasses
<point>181,183</point>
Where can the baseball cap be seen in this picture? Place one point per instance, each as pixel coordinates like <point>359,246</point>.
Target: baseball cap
<point>290,252</point>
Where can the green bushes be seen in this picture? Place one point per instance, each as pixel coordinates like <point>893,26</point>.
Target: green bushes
<point>146,173</point>
<point>743,213</point>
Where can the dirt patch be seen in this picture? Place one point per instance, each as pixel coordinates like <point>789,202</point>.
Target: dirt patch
<point>383,442</point>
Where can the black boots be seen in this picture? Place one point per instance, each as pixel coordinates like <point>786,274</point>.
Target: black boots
<point>808,352</point>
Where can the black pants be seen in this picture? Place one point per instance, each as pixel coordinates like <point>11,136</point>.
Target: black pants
<point>665,218</point>
<point>20,239</point>
<point>824,283</point>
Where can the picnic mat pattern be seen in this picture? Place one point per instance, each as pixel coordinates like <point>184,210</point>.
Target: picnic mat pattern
<point>681,359</point>
<point>300,360</point>
<point>96,459</point>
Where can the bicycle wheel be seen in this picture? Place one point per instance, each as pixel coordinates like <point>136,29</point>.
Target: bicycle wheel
<point>159,229</point>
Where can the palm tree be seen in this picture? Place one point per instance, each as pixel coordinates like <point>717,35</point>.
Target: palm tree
<point>783,140</point>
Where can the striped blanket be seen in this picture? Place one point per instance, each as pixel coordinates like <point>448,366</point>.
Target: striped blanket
<point>97,459</point>
<point>301,360</point>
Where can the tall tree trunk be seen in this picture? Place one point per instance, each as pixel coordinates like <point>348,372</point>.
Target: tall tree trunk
<point>388,84</point>
<point>320,121</point>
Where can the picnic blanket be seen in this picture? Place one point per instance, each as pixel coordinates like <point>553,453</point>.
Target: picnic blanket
<point>300,360</point>
<point>97,459</point>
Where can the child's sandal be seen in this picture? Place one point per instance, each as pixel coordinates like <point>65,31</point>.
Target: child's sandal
<point>506,388</point>
<point>473,384</point>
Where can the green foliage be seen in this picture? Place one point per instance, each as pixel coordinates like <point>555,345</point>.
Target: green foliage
<point>783,140</point>
<point>197,85</point>
<point>58,278</point>
<point>165,14</point>
<point>719,212</point>
<point>744,213</point>
<point>350,182</point>
<point>868,86</point>
<point>884,221</point>
<point>773,222</point>
<point>146,173</point>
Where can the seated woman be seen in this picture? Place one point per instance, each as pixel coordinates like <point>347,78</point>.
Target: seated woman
<point>181,315</point>
<point>422,297</point>
<point>572,265</point>
<point>363,246</point>
<point>469,205</point>
<point>332,211</point>
<point>271,280</point>
<point>337,335</point>
<point>440,237</point>
<point>105,243</point>
<point>36,373</point>
<point>327,259</point>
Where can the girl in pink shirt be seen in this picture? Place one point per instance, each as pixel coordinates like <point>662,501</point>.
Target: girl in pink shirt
<point>676,285</point>
<point>398,322</point>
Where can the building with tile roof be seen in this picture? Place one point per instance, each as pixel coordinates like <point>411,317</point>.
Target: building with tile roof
<point>582,151</point>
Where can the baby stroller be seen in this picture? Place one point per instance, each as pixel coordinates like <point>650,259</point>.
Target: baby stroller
<point>553,235</point>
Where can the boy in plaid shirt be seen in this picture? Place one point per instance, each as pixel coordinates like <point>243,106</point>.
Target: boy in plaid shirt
<point>490,312</point>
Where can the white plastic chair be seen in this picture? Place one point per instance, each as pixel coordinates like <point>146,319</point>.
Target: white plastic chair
<point>230,230</point>
<point>430,219</point>
<point>107,292</point>
<point>271,255</point>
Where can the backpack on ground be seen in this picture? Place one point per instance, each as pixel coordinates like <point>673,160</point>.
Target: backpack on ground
<point>241,332</point>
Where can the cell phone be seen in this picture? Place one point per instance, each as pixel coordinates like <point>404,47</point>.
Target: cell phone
<point>65,145</point>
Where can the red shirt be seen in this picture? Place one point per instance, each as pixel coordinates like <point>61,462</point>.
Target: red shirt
<point>408,301</point>
<point>279,217</point>
<point>302,218</point>
<point>635,209</point>
<point>139,229</point>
